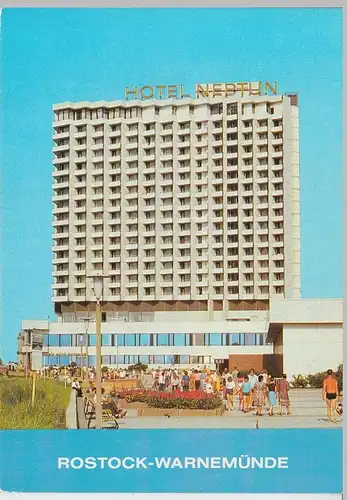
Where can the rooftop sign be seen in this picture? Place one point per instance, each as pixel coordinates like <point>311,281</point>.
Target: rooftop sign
<point>202,90</point>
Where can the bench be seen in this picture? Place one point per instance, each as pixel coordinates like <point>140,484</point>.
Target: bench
<point>110,412</point>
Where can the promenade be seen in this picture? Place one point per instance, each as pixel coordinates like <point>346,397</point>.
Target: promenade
<point>308,411</point>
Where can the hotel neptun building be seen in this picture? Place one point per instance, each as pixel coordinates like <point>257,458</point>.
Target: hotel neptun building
<point>190,208</point>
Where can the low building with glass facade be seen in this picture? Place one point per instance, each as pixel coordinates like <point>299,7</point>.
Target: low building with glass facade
<point>294,336</point>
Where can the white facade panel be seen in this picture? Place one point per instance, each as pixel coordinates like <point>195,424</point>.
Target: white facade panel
<point>311,349</point>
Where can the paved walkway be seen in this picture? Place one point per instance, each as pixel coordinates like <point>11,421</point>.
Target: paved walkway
<point>308,411</point>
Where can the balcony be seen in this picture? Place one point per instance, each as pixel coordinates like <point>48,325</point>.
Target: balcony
<point>262,154</point>
<point>63,135</point>
<point>61,260</point>
<point>235,155</point>
<point>132,133</point>
<point>60,173</point>
<point>80,135</point>
<point>115,133</point>
<point>57,223</point>
<point>59,161</point>
<point>262,142</point>
<point>60,248</point>
<point>61,197</point>
<point>81,159</point>
<point>61,298</point>
<point>151,258</point>
<point>262,168</point>
<point>99,133</point>
<point>61,210</point>
<point>262,129</point>
<point>65,272</point>
<point>64,147</point>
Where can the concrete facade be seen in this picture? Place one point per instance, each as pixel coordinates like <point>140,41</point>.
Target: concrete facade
<point>177,200</point>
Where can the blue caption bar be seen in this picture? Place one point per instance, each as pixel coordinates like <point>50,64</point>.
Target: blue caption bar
<point>165,461</point>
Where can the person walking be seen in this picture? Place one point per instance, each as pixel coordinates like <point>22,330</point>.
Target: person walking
<point>175,381</point>
<point>234,374</point>
<point>283,396</point>
<point>77,387</point>
<point>197,380</point>
<point>161,381</point>
<point>330,394</point>
<point>246,394</point>
<point>271,385</point>
<point>253,379</point>
<point>185,381</point>
<point>229,391</point>
<point>225,376</point>
<point>259,398</point>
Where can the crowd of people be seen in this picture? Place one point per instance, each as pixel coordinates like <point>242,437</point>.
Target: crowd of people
<point>250,392</point>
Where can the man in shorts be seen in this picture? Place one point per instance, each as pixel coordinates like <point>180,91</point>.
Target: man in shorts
<point>330,393</point>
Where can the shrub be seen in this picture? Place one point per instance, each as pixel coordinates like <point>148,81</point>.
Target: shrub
<point>139,367</point>
<point>339,375</point>
<point>300,381</point>
<point>315,380</point>
<point>195,400</point>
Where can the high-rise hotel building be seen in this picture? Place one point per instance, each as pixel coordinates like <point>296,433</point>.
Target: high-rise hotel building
<point>190,209</point>
<point>180,203</point>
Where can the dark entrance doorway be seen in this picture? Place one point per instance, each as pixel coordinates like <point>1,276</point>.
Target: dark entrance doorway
<point>221,364</point>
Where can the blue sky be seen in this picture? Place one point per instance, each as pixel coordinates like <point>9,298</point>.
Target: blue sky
<point>56,55</point>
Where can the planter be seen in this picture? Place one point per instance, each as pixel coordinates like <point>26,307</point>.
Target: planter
<point>175,412</point>
<point>121,384</point>
<point>137,404</point>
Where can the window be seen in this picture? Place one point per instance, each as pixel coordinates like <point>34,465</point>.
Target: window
<point>179,339</point>
<point>144,359</point>
<point>234,339</point>
<point>92,340</point>
<point>65,340</point>
<point>130,340</point>
<point>106,340</point>
<point>53,360</point>
<point>249,339</point>
<point>169,359</point>
<point>184,359</point>
<point>92,360</point>
<point>159,359</point>
<point>163,339</point>
<point>215,339</point>
<point>54,341</point>
<point>145,339</point>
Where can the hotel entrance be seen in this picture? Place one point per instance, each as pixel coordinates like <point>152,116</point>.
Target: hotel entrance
<point>221,364</point>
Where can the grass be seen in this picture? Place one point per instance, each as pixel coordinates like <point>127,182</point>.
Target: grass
<point>48,412</point>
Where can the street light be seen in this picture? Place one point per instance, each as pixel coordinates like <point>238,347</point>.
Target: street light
<point>98,285</point>
<point>86,328</point>
<point>81,344</point>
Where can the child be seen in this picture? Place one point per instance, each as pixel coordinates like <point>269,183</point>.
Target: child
<point>229,391</point>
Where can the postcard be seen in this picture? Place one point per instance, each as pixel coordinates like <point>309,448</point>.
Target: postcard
<point>172,251</point>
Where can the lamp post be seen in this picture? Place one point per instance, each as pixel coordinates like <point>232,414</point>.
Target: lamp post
<point>81,344</point>
<point>86,328</point>
<point>98,289</point>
